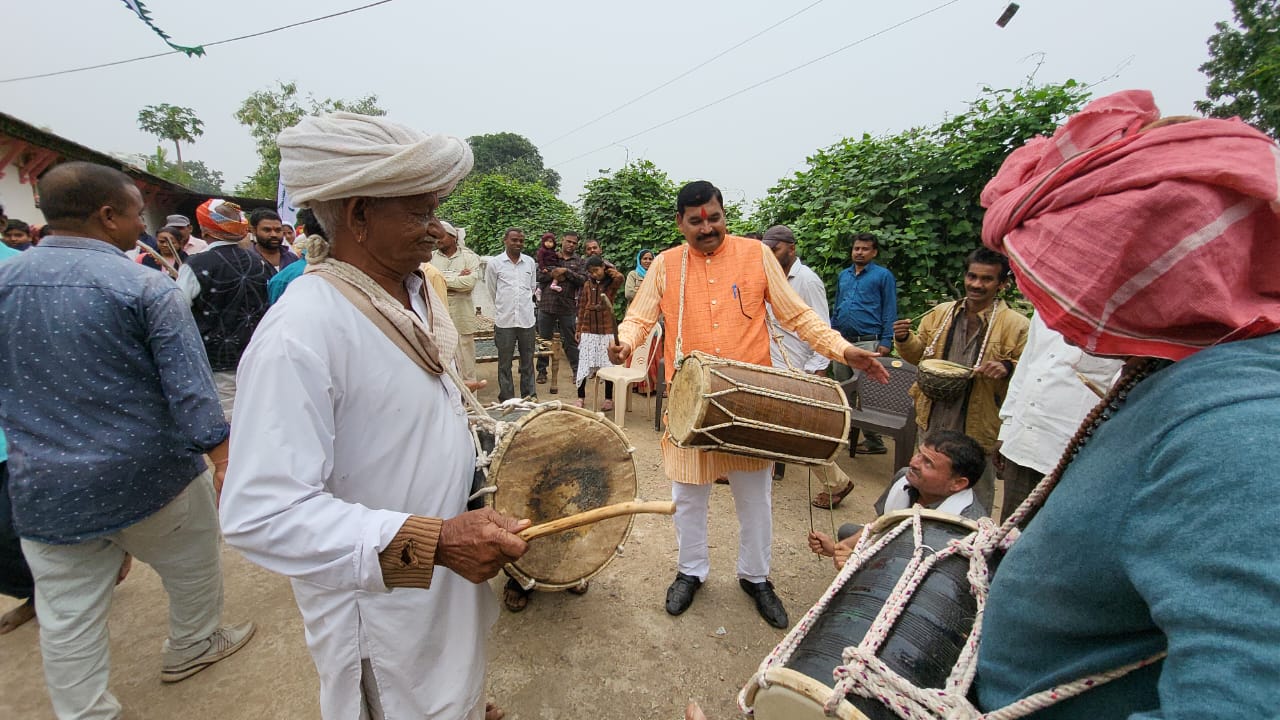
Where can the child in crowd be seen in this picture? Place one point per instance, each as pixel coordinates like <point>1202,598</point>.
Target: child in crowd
<point>548,258</point>
<point>596,325</point>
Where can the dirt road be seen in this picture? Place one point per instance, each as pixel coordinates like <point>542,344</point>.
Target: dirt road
<point>613,653</point>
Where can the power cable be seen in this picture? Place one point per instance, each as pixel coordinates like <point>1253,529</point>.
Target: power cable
<point>753,86</point>
<point>207,45</point>
<point>684,74</point>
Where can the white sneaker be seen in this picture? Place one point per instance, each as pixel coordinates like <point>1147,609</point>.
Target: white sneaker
<point>224,642</point>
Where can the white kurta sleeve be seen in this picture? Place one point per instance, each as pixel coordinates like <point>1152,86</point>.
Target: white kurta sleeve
<point>276,507</point>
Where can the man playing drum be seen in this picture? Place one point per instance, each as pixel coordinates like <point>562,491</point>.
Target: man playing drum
<point>940,477</point>
<point>365,507</point>
<point>980,332</point>
<point>724,281</point>
<point>1153,241</point>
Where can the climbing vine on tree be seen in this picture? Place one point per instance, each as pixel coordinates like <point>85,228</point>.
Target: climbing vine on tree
<point>916,190</point>
<point>487,205</point>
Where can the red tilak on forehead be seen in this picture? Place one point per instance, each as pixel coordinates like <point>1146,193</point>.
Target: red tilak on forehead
<point>703,211</point>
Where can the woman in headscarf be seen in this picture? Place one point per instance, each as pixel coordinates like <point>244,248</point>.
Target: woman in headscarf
<point>644,259</point>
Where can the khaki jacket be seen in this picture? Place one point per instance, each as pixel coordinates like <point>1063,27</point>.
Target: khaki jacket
<point>462,308</point>
<point>1008,338</point>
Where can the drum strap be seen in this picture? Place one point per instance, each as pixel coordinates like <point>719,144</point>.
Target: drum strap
<point>684,279</point>
<point>946,326</point>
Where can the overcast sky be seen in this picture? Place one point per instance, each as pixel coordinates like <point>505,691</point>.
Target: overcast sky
<point>542,69</point>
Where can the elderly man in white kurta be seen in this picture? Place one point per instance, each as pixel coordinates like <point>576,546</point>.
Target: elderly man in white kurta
<point>364,506</point>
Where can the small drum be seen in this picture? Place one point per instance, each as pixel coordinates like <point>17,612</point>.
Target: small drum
<point>554,462</point>
<point>761,412</point>
<point>942,380</point>
<point>922,645</point>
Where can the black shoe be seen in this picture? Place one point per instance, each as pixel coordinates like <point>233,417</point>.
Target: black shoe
<point>767,602</point>
<point>542,377</point>
<point>680,594</point>
<point>865,448</point>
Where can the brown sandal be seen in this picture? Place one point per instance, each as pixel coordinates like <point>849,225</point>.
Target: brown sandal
<point>823,500</point>
<point>514,597</point>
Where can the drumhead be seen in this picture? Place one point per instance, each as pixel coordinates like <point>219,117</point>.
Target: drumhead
<point>560,461</point>
<point>945,368</point>
<point>685,406</point>
<point>891,519</point>
<point>795,696</point>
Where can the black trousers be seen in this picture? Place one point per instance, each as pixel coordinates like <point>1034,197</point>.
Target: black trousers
<point>567,324</point>
<point>15,576</point>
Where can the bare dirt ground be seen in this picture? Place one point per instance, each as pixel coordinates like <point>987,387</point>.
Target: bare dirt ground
<point>613,653</point>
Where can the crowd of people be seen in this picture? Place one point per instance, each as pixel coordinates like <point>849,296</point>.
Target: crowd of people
<point>364,363</point>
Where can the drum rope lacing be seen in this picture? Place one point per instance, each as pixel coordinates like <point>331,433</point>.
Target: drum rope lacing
<point>865,674</point>
<point>946,326</point>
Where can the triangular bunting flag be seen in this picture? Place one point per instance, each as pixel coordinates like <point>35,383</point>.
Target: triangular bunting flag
<point>141,10</point>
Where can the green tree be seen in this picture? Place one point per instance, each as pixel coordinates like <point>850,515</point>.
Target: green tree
<point>1244,67</point>
<point>917,191</point>
<point>170,122</point>
<point>489,204</point>
<point>267,112</point>
<point>194,175</point>
<point>629,210</point>
<point>514,155</point>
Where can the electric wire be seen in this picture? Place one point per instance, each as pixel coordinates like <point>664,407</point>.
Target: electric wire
<point>760,83</point>
<point>206,45</point>
<point>684,74</point>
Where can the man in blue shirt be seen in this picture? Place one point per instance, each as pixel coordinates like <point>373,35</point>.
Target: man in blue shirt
<point>107,433</point>
<point>866,306</point>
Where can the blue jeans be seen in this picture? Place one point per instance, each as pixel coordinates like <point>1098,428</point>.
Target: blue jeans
<point>567,324</point>
<point>507,339</point>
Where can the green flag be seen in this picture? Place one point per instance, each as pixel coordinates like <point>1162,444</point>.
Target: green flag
<point>137,7</point>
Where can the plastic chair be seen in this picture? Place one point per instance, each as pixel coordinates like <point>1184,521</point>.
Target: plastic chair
<point>624,376</point>
<point>887,409</point>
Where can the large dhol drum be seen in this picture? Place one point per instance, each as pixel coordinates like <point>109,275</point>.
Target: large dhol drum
<point>557,461</point>
<point>758,411</point>
<point>922,644</point>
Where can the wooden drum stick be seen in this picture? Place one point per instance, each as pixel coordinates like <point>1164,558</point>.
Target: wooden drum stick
<point>633,507</point>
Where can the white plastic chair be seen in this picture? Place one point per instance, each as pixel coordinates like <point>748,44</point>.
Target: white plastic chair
<point>624,376</point>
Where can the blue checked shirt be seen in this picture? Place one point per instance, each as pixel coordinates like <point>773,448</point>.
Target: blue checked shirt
<point>105,390</point>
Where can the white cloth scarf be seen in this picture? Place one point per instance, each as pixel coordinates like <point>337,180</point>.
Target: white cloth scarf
<point>898,499</point>
<point>343,155</point>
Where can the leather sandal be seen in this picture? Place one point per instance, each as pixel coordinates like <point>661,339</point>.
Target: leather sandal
<point>514,597</point>
<point>832,500</point>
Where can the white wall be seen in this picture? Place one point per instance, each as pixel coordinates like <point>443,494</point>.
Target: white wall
<point>18,199</point>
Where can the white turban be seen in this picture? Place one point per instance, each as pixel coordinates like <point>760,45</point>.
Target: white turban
<point>342,155</point>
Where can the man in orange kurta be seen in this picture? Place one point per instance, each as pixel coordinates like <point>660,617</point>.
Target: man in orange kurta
<point>727,281</point>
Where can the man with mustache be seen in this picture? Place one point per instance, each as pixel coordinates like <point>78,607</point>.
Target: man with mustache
<point>980,331</point>
<point>268,238</point>
<point>712,291</point>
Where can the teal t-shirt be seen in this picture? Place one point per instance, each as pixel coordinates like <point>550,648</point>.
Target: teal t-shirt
<point>6,253</point>
<point>1161,535</point>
